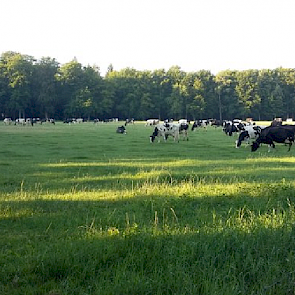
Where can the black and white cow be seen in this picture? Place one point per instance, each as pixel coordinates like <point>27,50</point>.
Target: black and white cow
<point>200,123</point>
<point>152,122</point>
<point>249,132</point>
<point>129,121</point>
<point>20,121</point>
<point>270,135</point>
<point>70,121</point>
<point>121,129</point>
<point>164,130</point>
<point>231,127</point>
<point>183,121</point>
<point>183,130</point>
<point>7,121</point>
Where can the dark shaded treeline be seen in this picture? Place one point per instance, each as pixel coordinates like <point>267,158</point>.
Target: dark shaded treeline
<point>44,88</point>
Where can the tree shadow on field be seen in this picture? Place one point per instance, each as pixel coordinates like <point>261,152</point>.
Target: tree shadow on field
<point>150,244</point>
<point>126,173</point>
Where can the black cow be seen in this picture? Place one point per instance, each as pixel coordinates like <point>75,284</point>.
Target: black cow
<point>276,122</point>
<point>269,135</point>
<point>121,130</point>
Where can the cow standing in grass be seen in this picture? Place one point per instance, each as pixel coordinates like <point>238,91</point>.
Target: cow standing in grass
<point>164,130</point>
<point>7,121</point>
<point>152,122</point>
<point>270,135</point>
<point>249,132</point>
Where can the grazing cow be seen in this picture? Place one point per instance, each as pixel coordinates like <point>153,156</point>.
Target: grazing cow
<point>200,123</point>
<point>7,121</point>
<point>249,132</point>
<point>37,121</point>
<point>20,121</point>
<point>230,127</point>
<point>70,121</point>
<point>270,134</point>
<point>164,130</point>
<point>51,120</point>
<point>152,122</point>
<point>121,130</point>
<point>129,121</point>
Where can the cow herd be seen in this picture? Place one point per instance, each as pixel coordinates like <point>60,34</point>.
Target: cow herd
<point>27,121</point>
<point>246,132</point>
<point>275,133</point>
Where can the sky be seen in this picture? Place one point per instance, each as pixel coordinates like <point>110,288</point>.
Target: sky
<point>213,35</point>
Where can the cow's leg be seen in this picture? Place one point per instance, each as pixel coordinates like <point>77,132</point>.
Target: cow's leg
<point>271,145</point>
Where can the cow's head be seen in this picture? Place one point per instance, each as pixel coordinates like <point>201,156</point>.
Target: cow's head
<point>255,145</point>
<point>244,135</point>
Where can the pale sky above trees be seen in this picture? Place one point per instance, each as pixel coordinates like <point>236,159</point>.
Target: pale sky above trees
<point>194,34</point>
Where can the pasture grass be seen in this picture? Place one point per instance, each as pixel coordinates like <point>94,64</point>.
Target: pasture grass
<point>84,210</point>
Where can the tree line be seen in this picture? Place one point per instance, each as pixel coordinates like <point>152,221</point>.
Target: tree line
<point>44,88</point>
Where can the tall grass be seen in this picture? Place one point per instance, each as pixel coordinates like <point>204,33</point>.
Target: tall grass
<point>84,210</point>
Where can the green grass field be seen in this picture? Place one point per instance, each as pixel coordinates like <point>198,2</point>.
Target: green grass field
<point>84,210</point>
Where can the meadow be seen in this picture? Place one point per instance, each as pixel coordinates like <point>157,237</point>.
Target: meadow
<point>84,210</point>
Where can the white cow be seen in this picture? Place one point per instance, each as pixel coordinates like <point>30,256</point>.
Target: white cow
<point>164,130</point>
<point>7,121</point>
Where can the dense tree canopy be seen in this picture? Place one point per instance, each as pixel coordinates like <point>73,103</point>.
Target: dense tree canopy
<point>44,88</point>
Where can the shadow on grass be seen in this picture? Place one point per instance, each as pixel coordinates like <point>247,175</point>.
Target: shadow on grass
<point>202,246</point>
<point>125,173</point>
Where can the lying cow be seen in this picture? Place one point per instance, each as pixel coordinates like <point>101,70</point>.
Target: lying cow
<point>270,135</point>
<point>164,130</point>
<point>121,130</point>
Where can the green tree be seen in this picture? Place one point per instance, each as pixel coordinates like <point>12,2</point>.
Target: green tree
<point>18,70</point>
<point>247,91</point>
<point>45,86</point>
<point>229,106</point>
